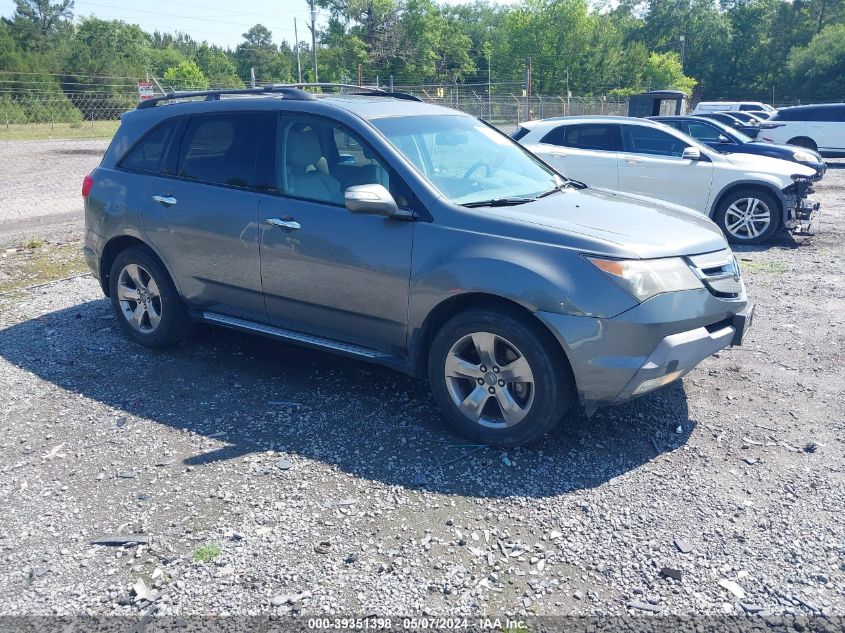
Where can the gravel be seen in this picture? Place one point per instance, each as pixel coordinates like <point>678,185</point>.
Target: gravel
<point>44,196</point>
<point>237,476</point>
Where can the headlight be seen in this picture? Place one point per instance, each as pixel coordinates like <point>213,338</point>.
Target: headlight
<point>644,278</point>
<point>803,157</point>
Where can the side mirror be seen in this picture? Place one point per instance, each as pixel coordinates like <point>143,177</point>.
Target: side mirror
<point>723,139</point>
<point>374,199</point>
<point>691,153</point>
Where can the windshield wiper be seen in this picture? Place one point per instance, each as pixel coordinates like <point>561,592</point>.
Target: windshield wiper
<point>498,202</point>
<point>569,183</point>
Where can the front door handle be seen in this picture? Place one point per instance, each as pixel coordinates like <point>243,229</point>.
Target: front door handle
<point>165,200</point>
<point>287,224</point>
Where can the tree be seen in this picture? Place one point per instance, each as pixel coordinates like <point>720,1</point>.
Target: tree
<point>186,76</point>
<point>820,64</point>
<point>43,14</point>
<point>216,65</point>
<point>258,51</point>
<point>663,71</point>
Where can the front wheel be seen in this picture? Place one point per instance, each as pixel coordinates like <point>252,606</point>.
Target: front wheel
<point>748,216</point>
<point>497,378</point>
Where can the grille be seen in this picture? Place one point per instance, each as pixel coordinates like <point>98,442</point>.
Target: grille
<point>719,272</point>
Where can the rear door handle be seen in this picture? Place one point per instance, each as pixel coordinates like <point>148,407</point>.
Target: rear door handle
<point>166,200</point>
<point>632,160</point>
<point>287,224</point>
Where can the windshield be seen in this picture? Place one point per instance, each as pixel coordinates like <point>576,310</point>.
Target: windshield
<point>466,160</point>
<point>731,132</point>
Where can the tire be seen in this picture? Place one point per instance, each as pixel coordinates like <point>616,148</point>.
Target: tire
<point>464,342</point>
<point>739,227</point>
<point>803,141</point>
<point>140,285</point>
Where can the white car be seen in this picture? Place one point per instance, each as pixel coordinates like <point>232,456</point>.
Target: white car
<point>732,106</point>
<point>817,127</point>
<point>748,196</point>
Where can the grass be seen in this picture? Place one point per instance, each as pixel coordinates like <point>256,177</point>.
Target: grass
<point>45,131</point>
<point>773,267</point>
<point>34,263</point>
<point>206,553</point>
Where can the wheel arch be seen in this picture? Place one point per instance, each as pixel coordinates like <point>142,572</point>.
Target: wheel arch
<point>754,185</point>
<point>451,306</point>
<point>801,137</point>
<point>114,247</point>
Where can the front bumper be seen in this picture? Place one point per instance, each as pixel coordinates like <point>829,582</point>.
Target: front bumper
<point>653,344</point>
<point>802,215</point>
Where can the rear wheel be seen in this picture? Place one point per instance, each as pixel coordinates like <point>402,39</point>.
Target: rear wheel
<point>497,379</point>
<point>748,216</point>
<point>145,301</point>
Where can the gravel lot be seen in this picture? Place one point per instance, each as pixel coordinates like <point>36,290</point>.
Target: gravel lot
<point>42,196</point>
<point>263,478</point>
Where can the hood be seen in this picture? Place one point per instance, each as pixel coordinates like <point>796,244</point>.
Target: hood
<point>786,149</point>
<point>635,226</point>
<point>768,165</point>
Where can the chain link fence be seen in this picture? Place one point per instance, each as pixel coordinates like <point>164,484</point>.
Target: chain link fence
<point>37,109</point>
<point>53,131</point>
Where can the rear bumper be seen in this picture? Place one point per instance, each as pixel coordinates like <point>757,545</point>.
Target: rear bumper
<point>92,249</point>
<point>653,344</point>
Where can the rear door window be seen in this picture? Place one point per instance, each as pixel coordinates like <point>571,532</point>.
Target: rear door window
<point>638,139</point>
<point>222,149</point>
<point>148,155</point>
<point>590,136</point>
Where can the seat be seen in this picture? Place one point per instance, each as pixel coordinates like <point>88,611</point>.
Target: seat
<point>303,151</point>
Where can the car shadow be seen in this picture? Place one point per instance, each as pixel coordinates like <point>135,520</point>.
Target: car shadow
<point>782,239</point>
<point>254,395</point>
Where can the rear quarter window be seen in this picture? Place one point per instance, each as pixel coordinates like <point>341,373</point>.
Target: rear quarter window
<point>149,153</point>
<point>519,133</point>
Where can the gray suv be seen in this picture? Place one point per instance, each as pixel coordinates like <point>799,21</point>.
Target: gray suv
<point>410,235</point>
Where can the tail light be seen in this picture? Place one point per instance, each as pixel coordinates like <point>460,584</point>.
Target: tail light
<point>87,184</point>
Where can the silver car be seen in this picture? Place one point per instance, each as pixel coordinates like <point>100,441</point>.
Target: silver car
<point>409,235</point>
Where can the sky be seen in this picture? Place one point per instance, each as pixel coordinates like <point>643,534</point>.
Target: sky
<point>219,22</point>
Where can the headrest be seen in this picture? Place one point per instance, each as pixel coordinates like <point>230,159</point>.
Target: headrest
<point>303,147</point>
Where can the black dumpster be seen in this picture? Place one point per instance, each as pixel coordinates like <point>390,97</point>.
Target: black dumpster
<point>657,103</point>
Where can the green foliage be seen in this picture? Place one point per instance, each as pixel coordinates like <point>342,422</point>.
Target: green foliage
<point>719,48</point>
<point>207,553</point>
<point>259,52</point>
<point>822,61</point>
<point>185,76</point>
<point>663,71</point>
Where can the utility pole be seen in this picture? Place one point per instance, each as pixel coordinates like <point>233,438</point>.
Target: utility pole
<point>528,90</point>
<point>568,94</point>
<point>314,40</point>
<point>252,77</point>
<point>683,50</point>
<point>489,82</point>
<point>298,62</point>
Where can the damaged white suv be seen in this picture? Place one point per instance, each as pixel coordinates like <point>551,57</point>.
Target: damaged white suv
<point>749,197</point>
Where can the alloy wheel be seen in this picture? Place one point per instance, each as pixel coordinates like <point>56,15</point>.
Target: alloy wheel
<point>747,218</point>
<point>489,380</point>
<point>139,298</point>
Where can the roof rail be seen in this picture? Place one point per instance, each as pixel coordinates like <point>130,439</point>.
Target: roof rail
<point>359,90</point>
<point>288,92</point>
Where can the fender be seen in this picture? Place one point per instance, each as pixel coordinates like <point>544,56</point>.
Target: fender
<point>750,182</point>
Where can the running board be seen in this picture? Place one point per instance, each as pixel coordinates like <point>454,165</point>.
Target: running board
<point>291,335</point>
